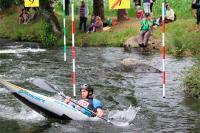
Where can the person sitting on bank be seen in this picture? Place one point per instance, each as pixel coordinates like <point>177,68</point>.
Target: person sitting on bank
<point>34,15</point>
<point>170,15</point>
<point>98,27</point>
<point>139,14</point>
<point>145,32</point>
<point>23,17</point>
<point>87,101</point>
<point>91,27</point>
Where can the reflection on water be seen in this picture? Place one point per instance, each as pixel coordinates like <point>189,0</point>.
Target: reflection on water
<point>116,90</point>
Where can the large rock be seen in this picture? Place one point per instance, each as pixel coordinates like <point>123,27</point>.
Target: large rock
<point>133,43</point>
<point>133,65</point>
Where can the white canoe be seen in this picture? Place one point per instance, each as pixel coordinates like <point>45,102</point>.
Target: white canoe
<point>46,106</point>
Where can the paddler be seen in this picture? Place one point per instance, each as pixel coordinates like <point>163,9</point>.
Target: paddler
<point>88,101</point>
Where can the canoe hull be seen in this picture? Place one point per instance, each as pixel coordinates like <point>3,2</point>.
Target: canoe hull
<point>46,106</point>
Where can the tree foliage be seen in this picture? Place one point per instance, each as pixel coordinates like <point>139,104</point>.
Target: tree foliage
<point>6,3</point>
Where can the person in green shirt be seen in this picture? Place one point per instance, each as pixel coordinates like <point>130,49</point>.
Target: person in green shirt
<point>145,32</point>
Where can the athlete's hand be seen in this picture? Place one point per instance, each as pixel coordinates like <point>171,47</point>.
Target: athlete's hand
<point>99,113</point>
<point>67,100</point>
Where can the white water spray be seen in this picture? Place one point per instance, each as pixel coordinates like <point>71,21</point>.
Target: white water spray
<point>123,117</point>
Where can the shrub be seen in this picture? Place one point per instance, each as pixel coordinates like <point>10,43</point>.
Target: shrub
<point>46,34</point>
<point>192,82</point>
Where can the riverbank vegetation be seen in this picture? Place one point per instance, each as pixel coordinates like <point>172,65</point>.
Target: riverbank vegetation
<point>182,41</point>
<point>36,31</point>
<point>40,31</point>
<point>192,82</point>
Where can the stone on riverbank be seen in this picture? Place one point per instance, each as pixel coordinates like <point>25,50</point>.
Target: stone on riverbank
<point>133,65</point>
<point>132,42</point>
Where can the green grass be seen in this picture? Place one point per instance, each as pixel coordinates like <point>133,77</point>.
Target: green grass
<point>116,37</point>
<point>181,38</point>
<point>182,8</point>
<point>10,28</point>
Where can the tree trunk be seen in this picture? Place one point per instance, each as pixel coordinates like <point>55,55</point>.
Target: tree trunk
<point>67,2</point>
<point>48,13</point>
<point>122,15</point>
<point>98,8</point>
<point>54,22</point>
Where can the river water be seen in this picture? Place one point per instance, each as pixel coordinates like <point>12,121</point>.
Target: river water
<point>117,90</point>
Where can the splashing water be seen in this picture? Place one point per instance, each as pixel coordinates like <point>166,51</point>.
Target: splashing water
<point>24,114</point>
<point>15,51</point>
<point>123,117</point>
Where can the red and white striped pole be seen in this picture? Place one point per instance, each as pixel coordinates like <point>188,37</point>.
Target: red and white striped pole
<point>73,52</point>
<point>163,48</point>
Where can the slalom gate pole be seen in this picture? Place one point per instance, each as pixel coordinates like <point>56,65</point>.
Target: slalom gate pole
<point>163,48</point>
<point>65,31</point>
<point>73,52</point>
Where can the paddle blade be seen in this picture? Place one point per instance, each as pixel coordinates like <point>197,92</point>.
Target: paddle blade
<point>43,84</point>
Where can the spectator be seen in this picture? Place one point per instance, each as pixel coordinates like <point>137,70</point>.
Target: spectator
<point>146,4</point>
<point>34,15</point>
<point>194,8</point>
<point>137,4</point>
<point>170,15</point>
<point>23,17</point>
<point>197,6</point>
<point>98,25</point>
<point>139,14</point>
<point>91,27</point>
<point>145,32</point>
<point>151,5</point>
<point>83,13</point>
<point>107,22</point>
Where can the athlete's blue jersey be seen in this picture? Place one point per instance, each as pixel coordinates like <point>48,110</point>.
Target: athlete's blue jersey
<point>94,105</point>
<point>91,104</point>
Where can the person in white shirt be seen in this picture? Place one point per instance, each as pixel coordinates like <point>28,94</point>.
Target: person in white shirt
<point>170,15</point>
<point>146,4</point>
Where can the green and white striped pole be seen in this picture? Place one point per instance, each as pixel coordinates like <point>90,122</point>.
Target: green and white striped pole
<point>65,31</point>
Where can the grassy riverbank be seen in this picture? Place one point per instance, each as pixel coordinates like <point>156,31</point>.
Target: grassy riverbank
<point>182,41</point>
<point>10,28</point>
